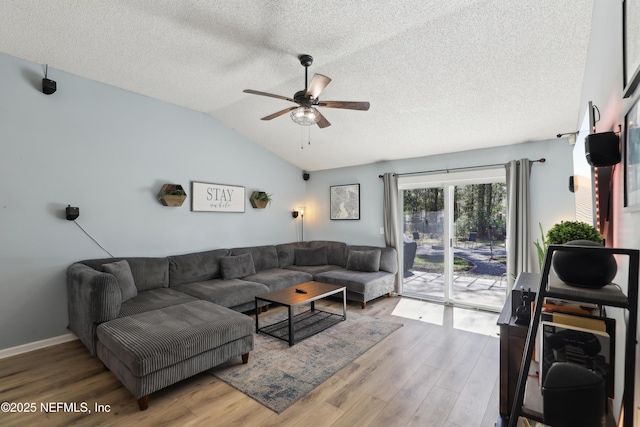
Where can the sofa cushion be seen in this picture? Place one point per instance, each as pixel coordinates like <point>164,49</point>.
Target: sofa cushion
<point>228,293</point>
<point>150,341</point>
<point>313,269</point>
<point>336,251</point>
<point>315,256</point>
<point>122,271</point>
<point>358,281</point>
<point>153,299</point>
<point>279,278</point>
<point>148,273</point>
<point>195,267</point>
<point>368,261</point>
<point>235,267</point>
<point>264,257</point>
<point>286,253</point>
<point>388,256</point>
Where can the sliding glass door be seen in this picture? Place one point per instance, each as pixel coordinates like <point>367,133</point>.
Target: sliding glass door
<point>425,241</point>
<point>454,238</point>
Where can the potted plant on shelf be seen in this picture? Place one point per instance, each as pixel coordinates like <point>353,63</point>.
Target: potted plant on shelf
<point>260,199</point>
<point>583,269</point>
<point>172,195</point>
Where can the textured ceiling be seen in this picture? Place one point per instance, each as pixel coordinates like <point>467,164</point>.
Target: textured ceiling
<point>441,75</point>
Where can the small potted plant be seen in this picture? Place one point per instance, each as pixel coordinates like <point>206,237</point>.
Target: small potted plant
<point>172,195</point>
<point>583,269</point>
<point>260,199</point>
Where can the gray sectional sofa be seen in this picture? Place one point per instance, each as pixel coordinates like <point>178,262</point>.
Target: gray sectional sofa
<point>156,321</point>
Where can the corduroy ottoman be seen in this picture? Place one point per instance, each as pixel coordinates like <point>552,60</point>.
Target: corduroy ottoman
<point>154,349</point>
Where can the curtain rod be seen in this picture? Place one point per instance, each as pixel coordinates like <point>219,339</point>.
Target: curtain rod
<point>541,160</point>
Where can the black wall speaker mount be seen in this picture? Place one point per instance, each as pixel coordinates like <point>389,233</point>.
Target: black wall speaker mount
<point>602,149</point>
<point>48,86</point>
<point>305,175</point>
<point>72,213</point>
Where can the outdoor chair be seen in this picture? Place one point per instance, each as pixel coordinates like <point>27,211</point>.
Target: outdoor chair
<point>472,240</point>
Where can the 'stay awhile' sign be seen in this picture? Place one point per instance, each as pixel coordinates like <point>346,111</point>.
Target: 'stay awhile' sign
<point>206,197</point>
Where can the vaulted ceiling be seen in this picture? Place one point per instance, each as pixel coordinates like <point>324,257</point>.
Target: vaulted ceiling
<point>441,75</point>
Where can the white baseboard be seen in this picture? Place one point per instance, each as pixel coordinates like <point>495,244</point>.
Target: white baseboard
<point>25,348</point>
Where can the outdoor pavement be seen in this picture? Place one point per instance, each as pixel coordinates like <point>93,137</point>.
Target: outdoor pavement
<point>485,284</point>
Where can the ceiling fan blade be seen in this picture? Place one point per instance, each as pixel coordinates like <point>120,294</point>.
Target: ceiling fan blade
<point>317,85</point>
<point>323,122</point>
<point>257,92</point>
<point>363,106</point>
<point>278,114</point>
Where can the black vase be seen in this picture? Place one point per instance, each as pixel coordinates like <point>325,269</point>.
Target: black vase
<point>584,269</point>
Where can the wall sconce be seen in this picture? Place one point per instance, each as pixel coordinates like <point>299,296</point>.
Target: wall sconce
<point>299,211</point>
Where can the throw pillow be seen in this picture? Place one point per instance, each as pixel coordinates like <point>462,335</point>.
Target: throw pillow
<point>315,256</point>
<point>235,267</point>
<point>122,271</point>
<point>364,260</point>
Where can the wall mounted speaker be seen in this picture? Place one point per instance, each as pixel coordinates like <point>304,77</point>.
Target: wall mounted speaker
<point>72,213</point>
<point>305,176</point>
<point>572,184</point>
<point>48,86</point>
<point>602,149</point>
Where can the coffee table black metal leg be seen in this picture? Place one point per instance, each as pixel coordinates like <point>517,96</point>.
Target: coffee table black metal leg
<point>313,306</point>
<point>257,327</point>
<point>290,326</point>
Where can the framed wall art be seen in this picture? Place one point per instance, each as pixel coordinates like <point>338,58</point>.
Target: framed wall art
<point>630,45</point>
<point>632,158</point>
<point>206,197</point>
<point>345,201</point>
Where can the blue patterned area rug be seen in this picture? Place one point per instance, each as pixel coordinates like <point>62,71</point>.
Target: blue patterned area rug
<point>278,375</point>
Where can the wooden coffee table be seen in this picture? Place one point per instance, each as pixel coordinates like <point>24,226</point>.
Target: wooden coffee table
<point>305,324</point>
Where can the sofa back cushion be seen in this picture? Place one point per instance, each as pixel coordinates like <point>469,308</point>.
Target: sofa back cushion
<point>122,271</point>
<point>237,266</point>
<point>311,257</point>
<point>286,253</point>
<point>336,251</point>
<point>264,257</point>
<point>368,261</point>
<point>388,256</point>
<point>195,267</point>
<point>148,273</point>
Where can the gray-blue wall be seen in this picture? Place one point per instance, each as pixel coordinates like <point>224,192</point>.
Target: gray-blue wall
<point>109,151</point>
<point>550,197</point>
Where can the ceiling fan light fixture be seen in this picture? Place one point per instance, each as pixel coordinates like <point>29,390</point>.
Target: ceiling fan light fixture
<point>305,116</point>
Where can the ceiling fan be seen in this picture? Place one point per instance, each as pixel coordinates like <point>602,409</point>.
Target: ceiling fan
<point>306,113</point>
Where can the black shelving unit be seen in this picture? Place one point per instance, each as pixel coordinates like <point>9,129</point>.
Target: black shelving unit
<point>610,295</point>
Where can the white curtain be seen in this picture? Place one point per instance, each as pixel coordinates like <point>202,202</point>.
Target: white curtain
<point>519,244</point>
<point>390,217</point>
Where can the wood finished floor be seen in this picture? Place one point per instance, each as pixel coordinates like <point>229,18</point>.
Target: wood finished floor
<point>423,374</point>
